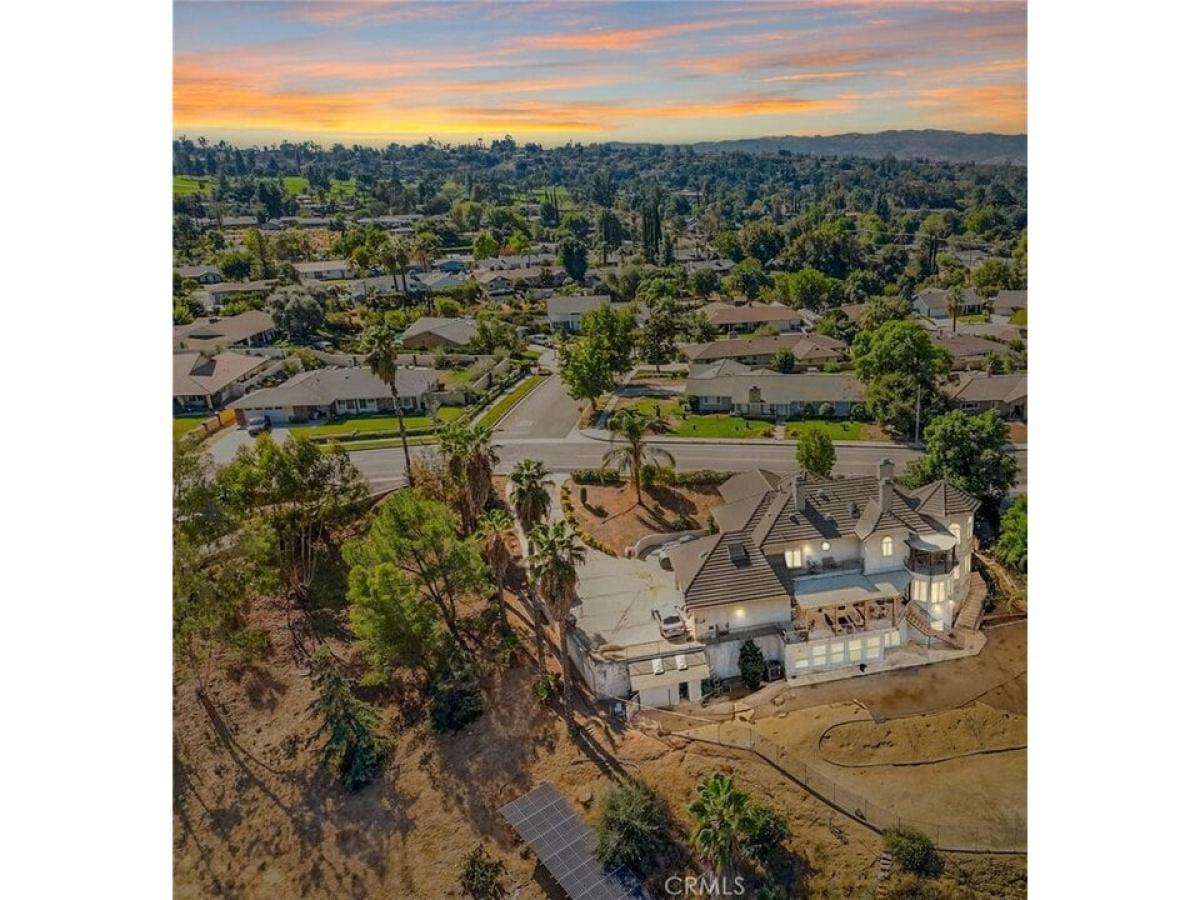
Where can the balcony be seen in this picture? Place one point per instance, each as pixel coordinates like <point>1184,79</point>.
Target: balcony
<point>935,563</point>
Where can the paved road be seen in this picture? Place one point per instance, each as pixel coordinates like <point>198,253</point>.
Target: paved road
<point>546,412</point>
<point>383,468</point>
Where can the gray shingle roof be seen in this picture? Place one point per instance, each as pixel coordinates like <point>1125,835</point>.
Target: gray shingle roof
<point>322,387</point>
<point>455,331</point>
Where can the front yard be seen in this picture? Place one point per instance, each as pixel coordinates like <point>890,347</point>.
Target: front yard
<point>838,430</point>
<point>612,518</point>
<point>183,424</point>
<point>715,425</point>
<point>362,424</point>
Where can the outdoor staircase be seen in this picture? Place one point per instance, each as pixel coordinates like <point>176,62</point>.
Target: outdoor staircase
<point>918,620</point>
<point>972,609</point>
<point>882,888</point>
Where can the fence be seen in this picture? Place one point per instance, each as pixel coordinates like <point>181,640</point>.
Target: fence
<point>207,427</point>
<point>992,837</point>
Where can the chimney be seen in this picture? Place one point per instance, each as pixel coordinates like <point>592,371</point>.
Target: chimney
<point>885,494</point>
<point>798,493</point>
<point>886,468</point>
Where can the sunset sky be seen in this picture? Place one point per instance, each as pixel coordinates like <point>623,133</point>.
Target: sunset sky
<point>553,71</point>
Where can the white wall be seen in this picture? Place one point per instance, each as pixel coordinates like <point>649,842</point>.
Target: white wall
<point>872,548</point>
<point>752,614</point>
<point>843,651</point>
<point>723,656</point>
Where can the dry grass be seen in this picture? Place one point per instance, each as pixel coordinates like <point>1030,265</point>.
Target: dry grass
<point>613,517</point>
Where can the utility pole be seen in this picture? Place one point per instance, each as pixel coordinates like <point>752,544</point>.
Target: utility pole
<point>917,433</point>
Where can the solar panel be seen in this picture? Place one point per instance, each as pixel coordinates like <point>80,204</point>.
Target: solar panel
<point>566,847</point>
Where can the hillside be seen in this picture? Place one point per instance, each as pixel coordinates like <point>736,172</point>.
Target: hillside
<point>952,146</point>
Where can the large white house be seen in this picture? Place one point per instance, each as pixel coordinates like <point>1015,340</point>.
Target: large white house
<point>829,577</point>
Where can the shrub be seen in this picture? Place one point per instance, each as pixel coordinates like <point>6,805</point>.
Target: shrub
<point>479,874</point>
<point>751,665</point>
<point>681,522</point>
<point>594,476</point>
<point>858,412</point>
<point>650,475</point>
<point>826,411</point>
<point>807,411</point>
<point>546,687</point>
<point>354,747</point>
<point>583,494</point>
<point>765,831</point>
<point>456,700</point>
<point>698,478</point>
<point>912,850</point>
<point>633,827</point>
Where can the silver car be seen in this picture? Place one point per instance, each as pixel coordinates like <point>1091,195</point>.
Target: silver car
<point>670,623</point>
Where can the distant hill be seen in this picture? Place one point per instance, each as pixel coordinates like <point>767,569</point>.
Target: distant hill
<point>952,146</point>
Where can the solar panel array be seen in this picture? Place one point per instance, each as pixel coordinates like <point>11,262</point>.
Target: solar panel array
<point>566,847</point>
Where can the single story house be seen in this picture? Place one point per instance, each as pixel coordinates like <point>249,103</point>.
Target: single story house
<point>810,350</point>
<point>201,274</point>
<point>516,261</point>
<point>979,392</point>
<point>325,393</point>
<point>750,316</point>
<point>215,296</point>
<point>207,381</point>
<point>566,313</point>
<point>729,386</point>
<point>967,349</point>
<point>430,332</point>
<point>931,303</point>
<point>253,328</point>
<point>435,282</point>
<point>324,270</point>
<point>719,266</point>
<point>1006,303</point>
<point>495,283</point>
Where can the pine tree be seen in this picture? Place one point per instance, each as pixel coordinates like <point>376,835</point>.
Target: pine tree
<point>353,747</point>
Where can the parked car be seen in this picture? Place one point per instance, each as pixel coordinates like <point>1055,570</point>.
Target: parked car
<point>257,425</point>
<point>670,623</point>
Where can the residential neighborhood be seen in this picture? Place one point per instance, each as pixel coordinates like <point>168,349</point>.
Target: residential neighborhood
<point>517,458</point>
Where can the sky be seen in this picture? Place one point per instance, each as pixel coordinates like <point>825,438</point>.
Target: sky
<point>554,71</point>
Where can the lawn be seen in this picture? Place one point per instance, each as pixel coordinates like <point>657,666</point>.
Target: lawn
<point>183,424</point>
<point>837,431</point>
<point>654,406</point>
<point>976,318</point>
<point>509,400</point>
<point>1019,318</point>
<point>361,424</point>
<point>186,185</point>
<point>720,426</point>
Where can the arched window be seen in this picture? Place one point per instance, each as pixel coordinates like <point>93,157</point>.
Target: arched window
<point>886,546</point>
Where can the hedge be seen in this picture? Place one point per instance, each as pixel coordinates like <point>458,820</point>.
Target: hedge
<point>698,478</point>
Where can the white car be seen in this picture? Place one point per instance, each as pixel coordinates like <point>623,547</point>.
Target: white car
<point>257,425</point>
<point>670,623</point>
<point>663,554</point>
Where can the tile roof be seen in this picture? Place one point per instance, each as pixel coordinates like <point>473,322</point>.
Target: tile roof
<point>814,347</point>
<point>778,387</point>
<point>729,314</point>
<point>227,330</point>
<point>576,303</point>
<point>743,561</point>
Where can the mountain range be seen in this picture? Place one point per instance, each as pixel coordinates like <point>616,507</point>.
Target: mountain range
<point>951,146</point>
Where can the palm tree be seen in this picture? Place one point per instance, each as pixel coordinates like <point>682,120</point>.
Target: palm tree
<point>528,487</point>
<point>381,360</point>
<point>554,553</point>
<point>720,810</point>
<point>494,526</point>
<point>455,446</point>
<point>481,462</point>
<point>393,256</point>
<point>954,298</point>
<point>633,427</point>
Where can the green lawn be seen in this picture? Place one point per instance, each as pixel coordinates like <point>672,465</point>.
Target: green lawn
<point>509,400</point>
<point>362,424</point>
<point>184,424</point>
<point>377,444</point>
<point>185,185</point>
<point>721,426</point>
<point>650,406</point>
<point>1020,318</point>
<point>976,318</point>
<point>837,431</point>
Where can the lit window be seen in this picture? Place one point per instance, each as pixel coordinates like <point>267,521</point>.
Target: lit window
<point>801,663</point>
<point>794,558</point>
<point>824,545</point>
<point>887,546</point>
